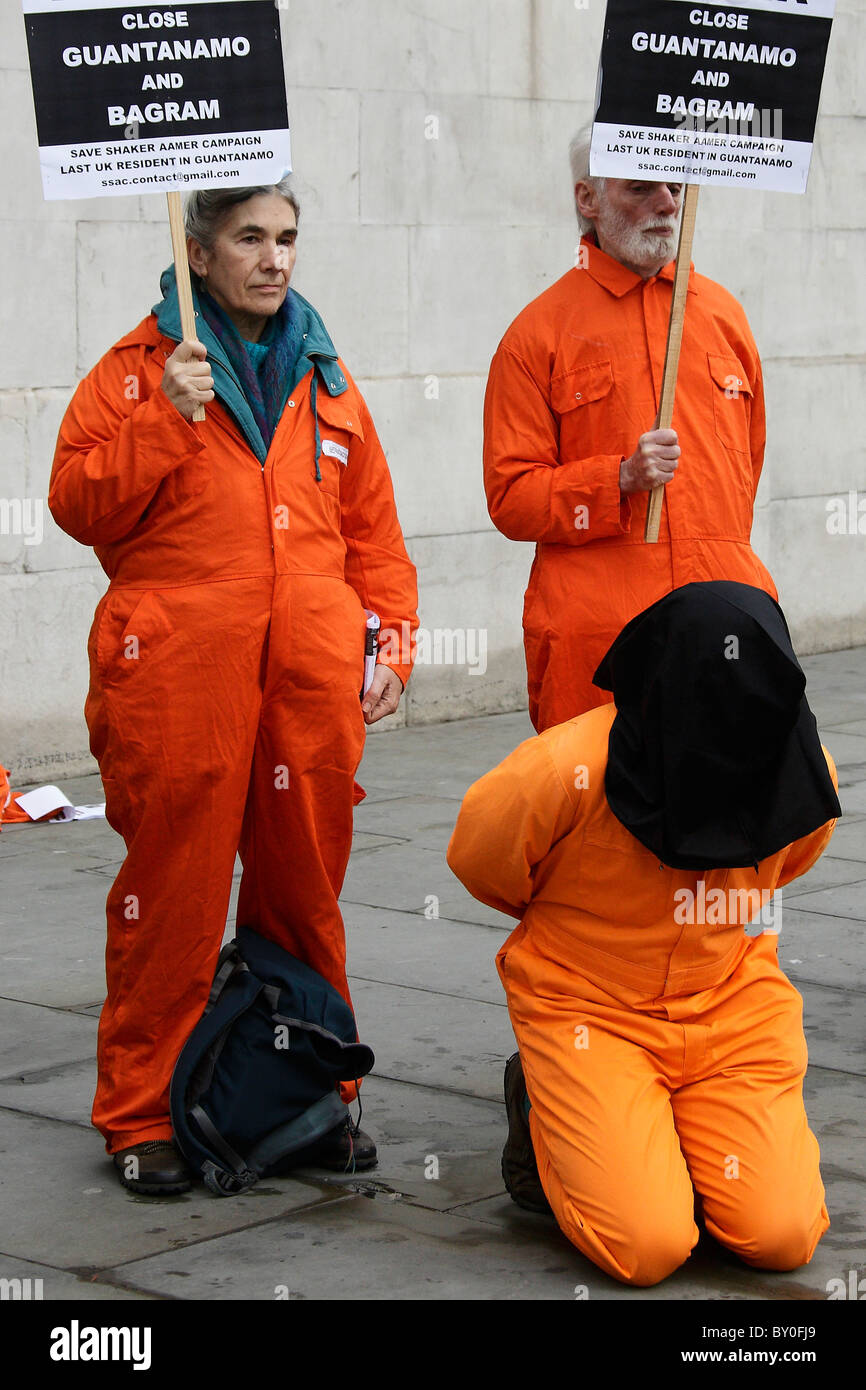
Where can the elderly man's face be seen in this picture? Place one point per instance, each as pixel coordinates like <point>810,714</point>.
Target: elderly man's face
<point>635,222</point>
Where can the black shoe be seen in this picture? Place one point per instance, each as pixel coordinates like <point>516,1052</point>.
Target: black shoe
<point>519,1168</point>
<point>154,1167</point>
<point>347,1149</point>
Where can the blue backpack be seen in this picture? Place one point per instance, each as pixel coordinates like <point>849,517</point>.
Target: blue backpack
<point>256,1081</point>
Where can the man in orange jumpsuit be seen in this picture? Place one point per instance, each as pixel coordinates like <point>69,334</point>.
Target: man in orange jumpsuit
<point>227,656</point>
<point>639,844</point>
<point>570,456</point>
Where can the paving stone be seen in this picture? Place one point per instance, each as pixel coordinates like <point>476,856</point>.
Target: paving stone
<point>836,900</point>
<point>427,820</point>
<point>401,948</point>
<point>35,1039</point>
<point>63,1204</point>
<point>63,1093</point>
<point>375,1248</point>
<point>853,726</point>
<point>60,1284</point>
<point>834,1021</point>
<point>835,1104</point>
<point>436,1148</point>
<point>409,879</point>
<point>821,949</point>
<point>827,873</point>
<point>849,839</point>
<point>435,1039</point>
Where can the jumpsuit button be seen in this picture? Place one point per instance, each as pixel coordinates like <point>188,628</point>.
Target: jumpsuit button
<point>578,396</point>
<point>292,404</point>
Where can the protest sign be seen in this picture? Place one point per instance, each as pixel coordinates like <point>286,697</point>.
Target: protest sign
<point>140,99</point>
<point>145,99</point>
<point>711,93</point>
<point>707,94</point>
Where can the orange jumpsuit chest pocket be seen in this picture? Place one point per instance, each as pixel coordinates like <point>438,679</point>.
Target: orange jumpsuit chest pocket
<point>581,397</point>
<point>339,425</point>
<point>732,401</point>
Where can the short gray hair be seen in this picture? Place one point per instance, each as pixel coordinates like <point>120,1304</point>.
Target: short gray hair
<point>578,154</point>
<point>205,208</point>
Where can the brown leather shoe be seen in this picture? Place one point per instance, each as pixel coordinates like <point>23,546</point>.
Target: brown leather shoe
<point>154,1168</point>
<point>347,1149</point>
<point>519,1168</point>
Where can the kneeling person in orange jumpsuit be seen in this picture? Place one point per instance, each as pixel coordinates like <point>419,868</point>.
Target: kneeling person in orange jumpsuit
<point>661,1048</point>
<point>227,657</point>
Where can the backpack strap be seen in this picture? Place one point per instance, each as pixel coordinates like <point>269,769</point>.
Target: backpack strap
<point>323,1116</point>
<point>349,1060</point>
<point>230,963</point>
<point>236,1176</point>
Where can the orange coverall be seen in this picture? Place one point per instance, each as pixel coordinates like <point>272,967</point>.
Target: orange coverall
<point>662,1057</point>
<point>226,667</point>
<point>574,384</point>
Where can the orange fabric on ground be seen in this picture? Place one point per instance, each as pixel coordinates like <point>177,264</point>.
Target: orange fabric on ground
<point>662,1057</point>
<point>226,663</point>
<point>9,810</point>
<point>572,387</point>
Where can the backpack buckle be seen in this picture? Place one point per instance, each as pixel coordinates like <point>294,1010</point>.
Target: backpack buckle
<point>226,1184</point>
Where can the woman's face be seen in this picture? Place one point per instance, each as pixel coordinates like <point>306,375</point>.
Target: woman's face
<point>248,268</point>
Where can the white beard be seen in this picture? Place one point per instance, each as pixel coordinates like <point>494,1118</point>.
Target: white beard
<point>630,244</point>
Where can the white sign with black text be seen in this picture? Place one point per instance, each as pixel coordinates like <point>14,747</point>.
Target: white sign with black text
<point>148,99</point>
<point>711,93</point>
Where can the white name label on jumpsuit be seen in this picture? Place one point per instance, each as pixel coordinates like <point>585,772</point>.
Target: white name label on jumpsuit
<point>335,451</point>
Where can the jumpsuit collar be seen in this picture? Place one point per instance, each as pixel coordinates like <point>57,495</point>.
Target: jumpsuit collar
<point>616,278</point>
<point>318,357</point>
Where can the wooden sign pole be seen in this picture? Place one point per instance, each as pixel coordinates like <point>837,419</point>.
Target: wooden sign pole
<point>181,270</point>
<point>675,338</point>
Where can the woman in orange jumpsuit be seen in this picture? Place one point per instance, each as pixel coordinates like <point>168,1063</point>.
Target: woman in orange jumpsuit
<point>227,656</point>
<point>661,1045</point>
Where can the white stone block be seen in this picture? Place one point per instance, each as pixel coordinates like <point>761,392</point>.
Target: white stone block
<point>803,292</point>
<point>44,622</point>
<point>842,92</point>
<point>431,430</point>
<point>821,577</point>
<point>28,428</point>
<point>430,45</point>
<point>566,44</point>
<point>118,269</point>
<point>15,506</point>
<point>472,589</point>
<point>13,39</point>
<point>510,47</point>
<point>325,162</point>
<point>464,159</point>
<point>357,277</point>
<point>37,291</point>
<point>467,284</point>
<point>816,426</point>
<point>836,192</point>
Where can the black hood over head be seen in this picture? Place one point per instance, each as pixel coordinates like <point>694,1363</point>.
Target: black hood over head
<point>714,759</point>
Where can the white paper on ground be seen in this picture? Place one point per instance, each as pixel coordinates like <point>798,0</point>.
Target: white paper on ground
<point>44,800</point>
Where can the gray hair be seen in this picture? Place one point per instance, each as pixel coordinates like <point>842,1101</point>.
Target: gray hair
<point>205,208</point>
<point>578,154</point>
